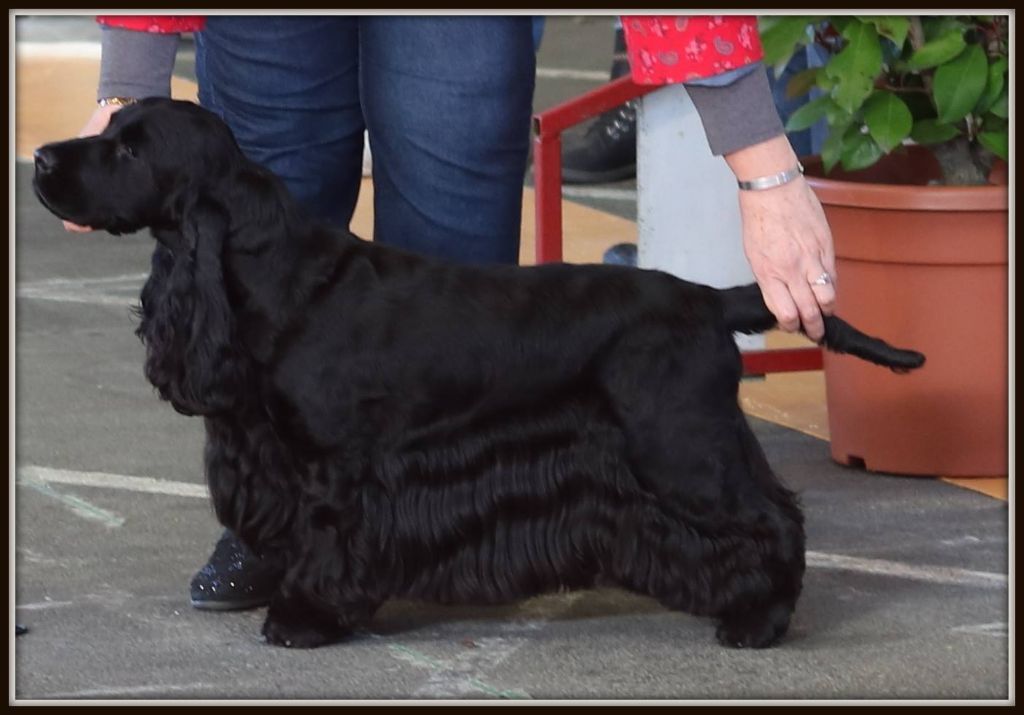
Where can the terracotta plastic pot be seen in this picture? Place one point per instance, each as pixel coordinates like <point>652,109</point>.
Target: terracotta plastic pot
<point>923,267</point>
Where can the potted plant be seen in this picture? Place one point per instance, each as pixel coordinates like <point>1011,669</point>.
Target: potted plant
<point>912,176</point>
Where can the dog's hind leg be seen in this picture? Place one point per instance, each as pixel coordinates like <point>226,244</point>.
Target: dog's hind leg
<point>725,538</point>
<point>745,572</point>
<point>674,394</point>
<point>774,528</point>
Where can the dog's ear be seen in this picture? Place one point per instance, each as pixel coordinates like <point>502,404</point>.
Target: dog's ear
<point>187,323</point>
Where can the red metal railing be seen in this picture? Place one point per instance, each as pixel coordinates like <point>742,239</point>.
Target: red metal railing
<point>547,178</point>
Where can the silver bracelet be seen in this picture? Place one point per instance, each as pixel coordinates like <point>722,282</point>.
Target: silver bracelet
<point>770,182</point>
<point>116,101</point>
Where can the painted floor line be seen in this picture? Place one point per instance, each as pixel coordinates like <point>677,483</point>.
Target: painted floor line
<point>82,50</point>
<point>998,629</point>
<point>932,574</point>
<point>815,559</point>
<point>105,290</point>
<point>565,73</point>
<point>147,485</point>
<point>77,505</point>
<point>576,192</point>
<point>449,679</point>
<point>72,297</point>
<point>48,282</point>
<point>44,605</point>
<point>138,690</point>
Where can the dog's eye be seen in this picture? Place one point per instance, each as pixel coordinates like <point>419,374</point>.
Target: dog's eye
<point>125,151</point>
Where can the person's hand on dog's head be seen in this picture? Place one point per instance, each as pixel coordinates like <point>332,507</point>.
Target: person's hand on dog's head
<point>96,124</point>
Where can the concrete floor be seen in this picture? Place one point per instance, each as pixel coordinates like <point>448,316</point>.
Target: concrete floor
<point>906,596</point>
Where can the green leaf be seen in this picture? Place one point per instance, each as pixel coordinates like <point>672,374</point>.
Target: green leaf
<point>996,142</point>
<point>958,85</point>
<point>825,83</point>
<point>855,68</point>
<point>837,116</point>
<point>919,104</point>
<point>932,131</point>
<point>992,123</point>
<point>938,25</point>
<point>999,107</point>
<point>888,119</point>
<point>809,114</point>
<point>938,52</point>
<point>994,85</point>
<point>781,37</point>
<point>861,152</point>
<point>832,148</point>
<point>895,27</point>
<point>850,91</point>
<point>802,82</point>
<point>840,22</point>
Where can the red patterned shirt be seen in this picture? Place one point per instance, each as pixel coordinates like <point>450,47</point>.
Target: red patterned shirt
<point>664,49</point>
<point>154,23</point>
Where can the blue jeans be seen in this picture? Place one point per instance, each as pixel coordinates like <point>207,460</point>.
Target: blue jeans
<point>446,102</point>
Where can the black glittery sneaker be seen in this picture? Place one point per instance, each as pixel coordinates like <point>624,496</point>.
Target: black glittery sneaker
<point>234,578</point>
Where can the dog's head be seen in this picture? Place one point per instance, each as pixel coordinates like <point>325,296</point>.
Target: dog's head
<point>140,171</point>
<point>169,166</point>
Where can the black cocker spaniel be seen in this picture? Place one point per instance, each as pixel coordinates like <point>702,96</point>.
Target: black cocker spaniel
<point>387,425</point>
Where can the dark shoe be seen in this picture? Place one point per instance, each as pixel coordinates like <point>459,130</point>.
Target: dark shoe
<point>605,152</point>
<point>621,254</point>
<point>234,578</point>
<point>20,630</point>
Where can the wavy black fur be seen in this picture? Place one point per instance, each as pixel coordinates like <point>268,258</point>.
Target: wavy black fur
<point>387,425</point>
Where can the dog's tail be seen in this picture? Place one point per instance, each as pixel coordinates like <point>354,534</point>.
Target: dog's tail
<point>746,312</point>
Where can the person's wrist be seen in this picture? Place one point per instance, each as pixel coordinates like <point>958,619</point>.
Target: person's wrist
<point>764,159</point>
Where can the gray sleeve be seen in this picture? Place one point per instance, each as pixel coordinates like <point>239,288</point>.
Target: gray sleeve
<point>136,64</point>
<point>739,114</point>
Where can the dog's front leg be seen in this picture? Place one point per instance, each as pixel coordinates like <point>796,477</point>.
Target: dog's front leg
<point>300,620</point>
<point>331,587</point>
<point>307,612</point>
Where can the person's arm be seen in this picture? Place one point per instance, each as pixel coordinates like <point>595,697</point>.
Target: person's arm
<point>785,235</point>
<point>137,61</point>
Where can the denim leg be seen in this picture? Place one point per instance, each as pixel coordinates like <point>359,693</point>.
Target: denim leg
<point>538,31</point>
<point>447,101</point>
<point>289,89</point>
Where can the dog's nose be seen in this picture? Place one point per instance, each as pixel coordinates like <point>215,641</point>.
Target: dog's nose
<point>46,160</point>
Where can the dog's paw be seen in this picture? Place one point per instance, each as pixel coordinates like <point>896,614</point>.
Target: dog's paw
<point>291,631</point>
<point>756,629</point>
